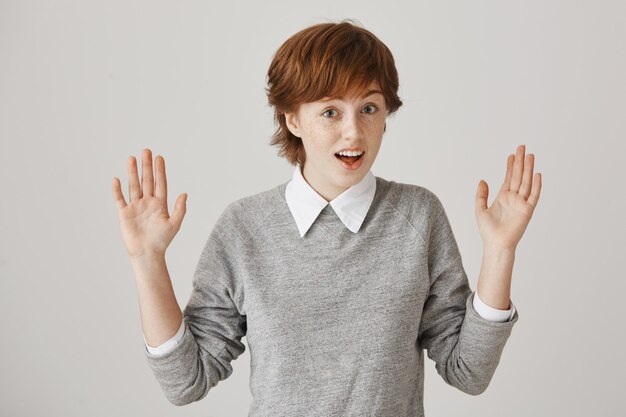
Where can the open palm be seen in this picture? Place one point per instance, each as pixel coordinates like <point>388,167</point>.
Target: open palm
<point>504,223</point>
<point>147,228</point>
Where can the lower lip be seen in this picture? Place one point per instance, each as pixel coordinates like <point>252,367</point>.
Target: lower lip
<point>353,166</point>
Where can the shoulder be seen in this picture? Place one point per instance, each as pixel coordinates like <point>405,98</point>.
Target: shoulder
<point>243,217</point>
<point>412,200</point>
<point>418,204</point>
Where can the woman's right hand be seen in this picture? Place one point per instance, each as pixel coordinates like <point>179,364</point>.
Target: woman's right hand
<point>147,228</point>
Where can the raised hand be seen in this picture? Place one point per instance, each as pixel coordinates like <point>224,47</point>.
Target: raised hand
<point>147,228</point>
<point>503,224</point>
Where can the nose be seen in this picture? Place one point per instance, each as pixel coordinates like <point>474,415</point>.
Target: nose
<point>352,126</point>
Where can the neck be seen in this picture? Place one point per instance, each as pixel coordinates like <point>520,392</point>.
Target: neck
<point>329,193</point>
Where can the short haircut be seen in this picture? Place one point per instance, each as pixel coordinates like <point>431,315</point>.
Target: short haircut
<point>326,60</point>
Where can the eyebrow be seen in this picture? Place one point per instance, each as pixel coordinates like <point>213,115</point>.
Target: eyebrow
<point>369,93</point>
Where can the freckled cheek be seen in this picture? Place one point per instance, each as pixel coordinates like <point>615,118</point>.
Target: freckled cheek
<point>322,143</point>
<point>326,135</point>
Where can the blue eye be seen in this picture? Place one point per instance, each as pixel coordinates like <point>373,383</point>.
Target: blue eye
<point>374,107</point>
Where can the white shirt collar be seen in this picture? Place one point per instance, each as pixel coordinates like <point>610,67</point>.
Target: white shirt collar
<point>351,206</point>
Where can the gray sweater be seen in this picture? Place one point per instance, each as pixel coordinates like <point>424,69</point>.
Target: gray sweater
<point>335,321</point>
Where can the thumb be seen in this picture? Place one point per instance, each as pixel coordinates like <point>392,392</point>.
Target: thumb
<point>180,208</point>
<point>482,193</point>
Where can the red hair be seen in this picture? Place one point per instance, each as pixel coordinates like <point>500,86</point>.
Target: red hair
<point>326,60</point>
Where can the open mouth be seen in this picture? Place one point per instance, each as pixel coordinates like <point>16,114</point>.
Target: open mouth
<point>351,163</point>
<point>349,159</point>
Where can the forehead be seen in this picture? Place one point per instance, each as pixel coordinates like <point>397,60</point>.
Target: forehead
<point>370,90</point>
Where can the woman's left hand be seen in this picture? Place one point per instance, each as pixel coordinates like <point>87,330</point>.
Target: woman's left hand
<point>503,224</point>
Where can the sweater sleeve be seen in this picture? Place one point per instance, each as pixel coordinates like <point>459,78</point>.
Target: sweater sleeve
<point>168,345</point>
<point>213,331</point>
<point>493,314</point>
<point>465,346</point>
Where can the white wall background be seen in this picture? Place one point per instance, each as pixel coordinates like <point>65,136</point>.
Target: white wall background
<point>85,84</point>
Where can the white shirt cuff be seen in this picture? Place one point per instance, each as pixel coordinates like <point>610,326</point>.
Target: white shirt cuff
<point>168,345</point>
<point>492,314</point>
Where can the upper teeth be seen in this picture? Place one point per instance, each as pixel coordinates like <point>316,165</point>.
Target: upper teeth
<point>350,153</point>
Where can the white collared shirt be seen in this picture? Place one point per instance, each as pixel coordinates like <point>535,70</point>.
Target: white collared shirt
<point>351,205</point>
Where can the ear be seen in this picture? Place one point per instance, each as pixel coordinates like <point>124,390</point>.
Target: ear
<point>291,119</point>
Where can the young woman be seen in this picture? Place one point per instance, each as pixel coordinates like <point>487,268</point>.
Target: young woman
<point>338,278</point>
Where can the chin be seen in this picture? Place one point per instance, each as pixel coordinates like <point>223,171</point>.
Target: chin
<point>354,178</point>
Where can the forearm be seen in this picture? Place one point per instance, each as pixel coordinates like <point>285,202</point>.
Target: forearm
<point>160,313</point>
<point>494,282</point>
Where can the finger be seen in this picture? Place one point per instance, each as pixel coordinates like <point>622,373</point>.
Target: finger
<point>161,180</point>
<point>117,194</point>
<point>134,190</point>
<point>528,176</point>
<point>509,172</point>
<point>518,168</point>
<point>482,196</point>
<point>180,208</point>
<point>536,191</point>
<point>147,178</point>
